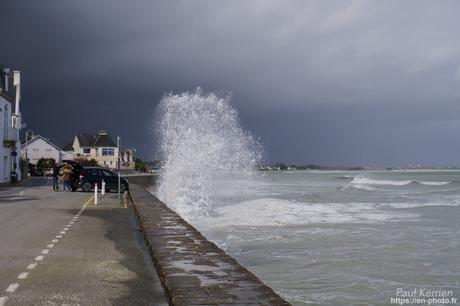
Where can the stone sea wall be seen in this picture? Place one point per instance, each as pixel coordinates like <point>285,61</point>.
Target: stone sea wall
<point>193,270</point>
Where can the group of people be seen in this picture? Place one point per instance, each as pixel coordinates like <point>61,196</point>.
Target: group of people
<point>63,172</point>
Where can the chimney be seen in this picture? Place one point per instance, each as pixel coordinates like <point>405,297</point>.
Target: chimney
<point>103,133</point>
<point>17,83</point>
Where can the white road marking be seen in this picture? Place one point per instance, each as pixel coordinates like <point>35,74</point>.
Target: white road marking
<point>23,275</point>
<point>3,300</point>
<point>12,288</point>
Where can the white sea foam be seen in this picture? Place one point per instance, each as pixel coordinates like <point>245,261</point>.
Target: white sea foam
<point>280,212</point>
<point>434,183</point>
<point>206,152</point>
<point>366,181</point>
<point>405,205</point>
<point>361,187</point>
<point>359,180</point>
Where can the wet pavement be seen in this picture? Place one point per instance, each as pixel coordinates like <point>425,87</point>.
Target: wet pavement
<point>57,248</point>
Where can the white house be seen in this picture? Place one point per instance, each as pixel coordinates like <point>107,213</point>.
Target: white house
<point>10,124</point>
<point>39,147</point>
<point>99,146</point>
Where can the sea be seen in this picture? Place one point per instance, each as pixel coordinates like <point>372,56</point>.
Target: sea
<point>345,238</point>
<point>315,237</point>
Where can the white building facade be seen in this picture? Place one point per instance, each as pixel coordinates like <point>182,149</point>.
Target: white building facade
<point>39,147</point>
<point>10,125</point>
<point>99,146</point>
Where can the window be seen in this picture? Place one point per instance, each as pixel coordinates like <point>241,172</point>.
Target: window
<point>5,163</point>
<point>86,151</point>
<point>94,172</point>
<point>108,152</point>
<point>5,121</point>
<point>108,173</point>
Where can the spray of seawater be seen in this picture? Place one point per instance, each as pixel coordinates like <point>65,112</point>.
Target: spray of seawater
<point>207,155</point>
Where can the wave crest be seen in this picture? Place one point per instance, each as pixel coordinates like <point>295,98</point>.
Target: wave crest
<point>205,151</point>
<point>360,181</point>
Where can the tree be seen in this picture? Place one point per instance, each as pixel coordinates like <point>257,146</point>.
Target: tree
<point>139,165</point>
<point>46,163</point>
<point>87,162</point>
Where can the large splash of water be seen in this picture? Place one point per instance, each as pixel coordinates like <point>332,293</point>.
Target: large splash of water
<point>208,157</point>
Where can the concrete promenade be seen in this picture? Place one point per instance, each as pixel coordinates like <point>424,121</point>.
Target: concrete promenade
<point>57,248</point>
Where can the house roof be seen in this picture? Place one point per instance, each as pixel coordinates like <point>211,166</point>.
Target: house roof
<point>9,95</point>
<point>101,139</point>
<point>36,137</point>
<point>68,147</point>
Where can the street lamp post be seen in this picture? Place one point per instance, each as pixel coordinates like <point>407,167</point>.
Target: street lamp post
<point>119,175</point>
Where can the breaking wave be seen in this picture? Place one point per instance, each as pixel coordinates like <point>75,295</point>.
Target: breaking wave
<point>207,155</point>
<point>360,187</point>
<point>281,212</point>
<point>359,180</point>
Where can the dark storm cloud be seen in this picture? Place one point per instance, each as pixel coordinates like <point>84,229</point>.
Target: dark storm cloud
<point>336,82</point>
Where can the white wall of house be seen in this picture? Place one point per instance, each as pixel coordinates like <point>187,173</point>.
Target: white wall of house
<point>39,148</point>
<point>5,153</point>
<point>6,133</point>
<point>66,156</point>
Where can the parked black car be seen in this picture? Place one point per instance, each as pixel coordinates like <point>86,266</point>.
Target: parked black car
<point>89,176</point>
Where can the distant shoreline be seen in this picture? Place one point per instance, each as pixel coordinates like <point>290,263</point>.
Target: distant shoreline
<point>269,168</point>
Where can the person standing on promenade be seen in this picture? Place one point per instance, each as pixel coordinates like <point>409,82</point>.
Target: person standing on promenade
<point>56,177</point>
<point>67,170</point>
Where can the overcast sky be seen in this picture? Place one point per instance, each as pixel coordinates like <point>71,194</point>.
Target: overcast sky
<point>328,82</point>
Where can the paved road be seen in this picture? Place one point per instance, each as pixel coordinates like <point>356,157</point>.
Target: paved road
<point>54,250</point>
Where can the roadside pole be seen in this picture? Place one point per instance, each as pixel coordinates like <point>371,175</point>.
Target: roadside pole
<point>119,175</point>
<point>103,188</point>
<point>95,194</point>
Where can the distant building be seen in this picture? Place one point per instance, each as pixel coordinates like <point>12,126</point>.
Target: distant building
<point>99,146</point>
<point>39,147</point>
<point>10,125</point>
<point>127,159</point>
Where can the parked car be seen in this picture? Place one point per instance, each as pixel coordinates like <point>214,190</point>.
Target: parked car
<point>90,176</point>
